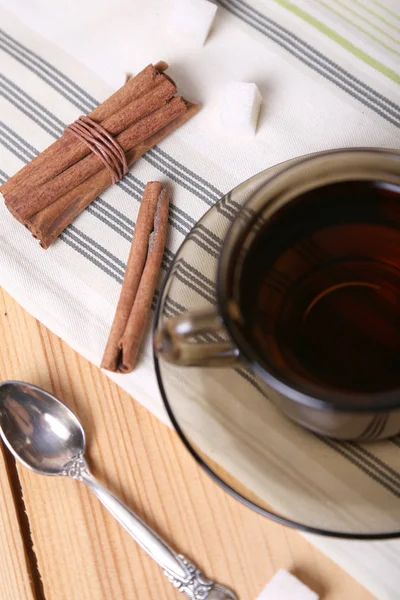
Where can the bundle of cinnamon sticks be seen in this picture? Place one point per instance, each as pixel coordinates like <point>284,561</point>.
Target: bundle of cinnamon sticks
<point>53,189</point>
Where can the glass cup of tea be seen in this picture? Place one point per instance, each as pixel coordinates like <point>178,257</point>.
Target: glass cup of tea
<point>308,293</point>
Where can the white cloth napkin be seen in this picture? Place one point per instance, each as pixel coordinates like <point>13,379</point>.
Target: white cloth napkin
<point>329,78</point>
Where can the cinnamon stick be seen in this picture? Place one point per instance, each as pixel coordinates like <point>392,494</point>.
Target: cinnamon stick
<point>161,66</point>
<point>132,338</point>
<point>133,88</point>
<point>140,278</point>
<point>23,207</point>
<point>71,150</point>
<point>55,187</point>
<point>47,224</point>
<point>34,174</point>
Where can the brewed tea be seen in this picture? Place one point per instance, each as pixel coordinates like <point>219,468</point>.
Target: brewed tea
<point>320,288</point>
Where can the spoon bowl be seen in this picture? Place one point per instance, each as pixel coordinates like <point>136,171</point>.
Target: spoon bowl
<point>40,431</point>
<point>45,436</point>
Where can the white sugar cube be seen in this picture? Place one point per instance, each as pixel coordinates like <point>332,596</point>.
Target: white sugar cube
<point>240,108</point>
<point>285,586</point>
<point>192,20</point>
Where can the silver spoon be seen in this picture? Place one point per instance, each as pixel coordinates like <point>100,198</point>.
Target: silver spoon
<point>45,436</point>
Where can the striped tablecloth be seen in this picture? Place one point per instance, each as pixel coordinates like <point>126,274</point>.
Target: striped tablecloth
<point>328,71</point>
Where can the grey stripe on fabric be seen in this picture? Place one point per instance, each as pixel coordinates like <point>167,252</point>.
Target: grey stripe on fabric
<point>21,105</point>
<point>8,139</point>
<point>130,181</point>
<point>309,51</point>
<point>85,248</point>
<point>206,281</point>
<point>186,174</point>
<point>12,149</point>
<point>176,176</point>
<point>91,241</point>
<point>360,463</point>
<point>4,81</point>
<point>190,281</point>
<point>178,218</point>
<point>213,246</point>
<point>19,138</point>
<point>366,455</point>
<point>81,94</point>
<point>290,35</point>
<point>35,112</point>
<point>173,305</point>
<point>184,181</point>
<point>115,225</point>
<point>203,243</point>
<point>46,78</point>
<point>375,427</point>
<point>350,452</point>
<point>104,216</point>
<point>211,188</point>
<point>90,249</point>
<point>99,253</point>
<point>315,60</point>
<point>191,277</point>
<point>188,275</point>
<point>201,240</point>
<point>134,187</point>
<point>131,184</point>
<point>64,237</point>
<point>125,221</point>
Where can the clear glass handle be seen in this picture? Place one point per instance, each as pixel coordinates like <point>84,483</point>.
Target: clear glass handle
<point>173,341</point>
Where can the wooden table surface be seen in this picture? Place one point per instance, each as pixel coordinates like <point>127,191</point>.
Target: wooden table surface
<point>57,542</point>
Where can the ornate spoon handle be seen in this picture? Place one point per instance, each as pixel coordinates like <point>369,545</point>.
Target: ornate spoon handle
<point>180,572</point>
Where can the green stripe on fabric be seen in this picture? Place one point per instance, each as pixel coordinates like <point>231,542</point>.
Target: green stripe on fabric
<point>377,15</point>
<point>341,16</point>
<point>366,58</point>
<point>314,59</point>
<point>388,10</point>
<point>362,18</point>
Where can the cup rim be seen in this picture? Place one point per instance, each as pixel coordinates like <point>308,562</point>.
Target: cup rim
<point>200,458</point>
<point>310,395</point>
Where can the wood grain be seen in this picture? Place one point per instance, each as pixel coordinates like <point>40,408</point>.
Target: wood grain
<point>81,551</point>
<point>15,580</point>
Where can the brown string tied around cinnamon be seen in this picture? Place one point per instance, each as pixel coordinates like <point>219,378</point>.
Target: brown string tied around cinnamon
<point>102,144</point>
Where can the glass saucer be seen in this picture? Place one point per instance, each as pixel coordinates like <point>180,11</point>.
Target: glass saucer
<point>296,477</point>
